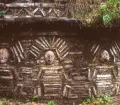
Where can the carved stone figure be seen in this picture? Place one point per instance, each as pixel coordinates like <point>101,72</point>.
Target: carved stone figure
<point>51,77</point>
<point>104,75</point>
<point>8,74</point>
<point>50,74</point>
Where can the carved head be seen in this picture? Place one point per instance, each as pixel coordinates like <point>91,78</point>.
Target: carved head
<point>49,57</point>
<point>105,56</point>
<point>4,55</point>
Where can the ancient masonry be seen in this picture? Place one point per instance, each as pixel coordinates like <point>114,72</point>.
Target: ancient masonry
<point>45,54</point>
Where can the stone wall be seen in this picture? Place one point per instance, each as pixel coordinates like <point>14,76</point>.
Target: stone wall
<point>58,66</point>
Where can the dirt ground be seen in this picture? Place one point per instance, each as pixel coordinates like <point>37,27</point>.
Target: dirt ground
<point>20,103</point>
<point>3,101</point>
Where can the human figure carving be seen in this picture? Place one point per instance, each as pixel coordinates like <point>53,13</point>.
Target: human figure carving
<point>45,76</point>
<point>8,73</point>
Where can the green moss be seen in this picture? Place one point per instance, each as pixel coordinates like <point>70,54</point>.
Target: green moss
<point>102,100</point>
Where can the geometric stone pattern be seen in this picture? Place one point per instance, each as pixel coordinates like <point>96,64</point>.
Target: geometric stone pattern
<point>46,8</point>
<point>15,10</point>
<point>49,67</point>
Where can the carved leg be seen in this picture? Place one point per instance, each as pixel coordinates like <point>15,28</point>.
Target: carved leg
<point>116,89</point>
<point>19,90</point>
<point>37,91</point>
<point>67,91</point>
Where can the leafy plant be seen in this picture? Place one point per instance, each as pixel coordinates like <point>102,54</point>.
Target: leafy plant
<point>51,103</point>
<point>1,103</point>
<point>5,102</point>
<point>4,99</point>
<point>35,98</point>
<point>2,14</point>
<point>102,100</point>
<point>109,11</point>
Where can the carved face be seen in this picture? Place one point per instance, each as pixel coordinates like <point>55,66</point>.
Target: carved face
<point>4,55</point>
<point>49,57</point>
<point>105,56</point>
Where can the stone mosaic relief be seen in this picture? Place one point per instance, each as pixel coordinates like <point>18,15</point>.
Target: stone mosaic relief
<point>8,73</point>
<point>102,48</point>
<point>34,10</point>
<point>48,71</point>
<point>104,68</point>
<point>51,67</point>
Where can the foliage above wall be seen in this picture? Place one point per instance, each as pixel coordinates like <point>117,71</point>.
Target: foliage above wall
<point>88,13</point>
<point>107,12</point>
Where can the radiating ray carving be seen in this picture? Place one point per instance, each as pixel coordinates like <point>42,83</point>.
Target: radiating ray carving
<point>18,51</point>
<point>51,43</point>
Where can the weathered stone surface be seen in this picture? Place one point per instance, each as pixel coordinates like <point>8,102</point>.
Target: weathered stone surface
<point>70,75</point>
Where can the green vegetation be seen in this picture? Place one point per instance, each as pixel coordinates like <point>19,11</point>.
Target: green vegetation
<point>4,99</point>
<point>51,103</point>
<point>2,14</point>
<point>102,100</point>
<point>4,102</point>
<point>35,98</point>
<point>109,11</point>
